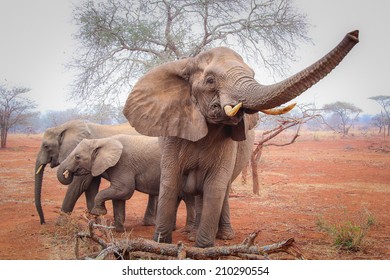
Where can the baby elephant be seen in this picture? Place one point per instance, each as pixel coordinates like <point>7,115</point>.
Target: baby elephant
<point>129,162</point>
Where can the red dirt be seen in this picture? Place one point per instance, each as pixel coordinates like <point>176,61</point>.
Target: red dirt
<point>319,178</point>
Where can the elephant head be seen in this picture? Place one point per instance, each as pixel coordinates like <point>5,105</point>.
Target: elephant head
<point>91,156</point>
<point>57,143</point>
<point>181,98</point>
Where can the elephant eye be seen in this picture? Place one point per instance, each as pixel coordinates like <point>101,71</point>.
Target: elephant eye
<point>210,80</point>
<point>77,157</point>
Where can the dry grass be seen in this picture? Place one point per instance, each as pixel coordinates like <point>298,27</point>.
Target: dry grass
<point>348,234</point>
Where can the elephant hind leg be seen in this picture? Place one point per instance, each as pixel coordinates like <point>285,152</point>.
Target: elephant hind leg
<point>119,207</point>
<point>189,200</point>
<point>150,212</point>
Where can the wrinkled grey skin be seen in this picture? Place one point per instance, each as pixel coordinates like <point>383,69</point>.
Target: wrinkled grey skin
<point>129,162</point>
<point>194,181</point>
<point>57,144</point>
<point>199,106</point>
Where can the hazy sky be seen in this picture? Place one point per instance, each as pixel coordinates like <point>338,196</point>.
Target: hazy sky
<point>36,42</point>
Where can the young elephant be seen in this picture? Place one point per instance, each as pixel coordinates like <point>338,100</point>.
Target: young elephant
<point>129,162</point>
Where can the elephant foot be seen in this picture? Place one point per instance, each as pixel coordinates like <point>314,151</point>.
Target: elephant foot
<point>203,243</point>
<point>119,228</point>
<point>187,228</point>
<point>225,233</point>
<point>160,238</point>
<point>192,235</point>
<point>99,210</point>
<point>148,222</point>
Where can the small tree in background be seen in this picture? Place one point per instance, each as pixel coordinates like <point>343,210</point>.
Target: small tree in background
<point>379,121</point>
<point>15,109</point>
<point>384,102</point>
<point>343,116</point>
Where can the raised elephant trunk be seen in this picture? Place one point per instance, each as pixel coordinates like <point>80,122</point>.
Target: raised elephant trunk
<point>39,170</point>
<point>259,97</point>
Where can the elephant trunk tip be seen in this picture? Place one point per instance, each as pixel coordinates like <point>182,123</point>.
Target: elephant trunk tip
<point>354,35</point>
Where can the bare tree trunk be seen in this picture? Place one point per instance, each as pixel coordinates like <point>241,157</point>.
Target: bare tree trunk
<point>285,123</point>
<point>4,137</point>
<point>244,175</point>
<point>255,158</point>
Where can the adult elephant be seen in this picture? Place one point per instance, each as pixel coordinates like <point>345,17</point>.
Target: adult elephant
<point>57,143</point>
<point>198,105</point>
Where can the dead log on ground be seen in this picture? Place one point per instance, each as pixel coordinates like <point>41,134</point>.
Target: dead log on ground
<point>144,248</point>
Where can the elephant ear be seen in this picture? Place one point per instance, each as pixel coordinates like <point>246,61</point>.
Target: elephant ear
<point>106,154</point>
<point>160,104</point>
<point>70,135</point>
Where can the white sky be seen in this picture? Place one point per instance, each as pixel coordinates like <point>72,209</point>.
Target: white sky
<point>36,42</point>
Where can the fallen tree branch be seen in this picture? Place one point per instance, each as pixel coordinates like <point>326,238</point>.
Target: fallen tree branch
<point>144,248</point>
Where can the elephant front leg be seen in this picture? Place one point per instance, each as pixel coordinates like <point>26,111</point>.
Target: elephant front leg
<point>116,191</point>
<point>166,208</point>
<point>75,189</point>
<point>211,213</point>
<point>225,230</point>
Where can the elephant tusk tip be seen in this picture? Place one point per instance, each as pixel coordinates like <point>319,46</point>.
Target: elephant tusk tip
<point>66,174</point>
<point>39,169</point>
<point>232,111</point>
<point>279,111</point>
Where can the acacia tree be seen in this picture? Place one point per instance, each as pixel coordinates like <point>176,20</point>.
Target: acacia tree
<point>121,39</point>
<point>344,114</point>
<point>384,102</point>
<point>14,110</point>
<point>379,121</point>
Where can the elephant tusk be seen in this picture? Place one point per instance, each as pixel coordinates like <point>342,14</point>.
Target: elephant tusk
<point>66,174</point>
<point>279,111</point>
<point>39,169</point>
<point>231,112</point>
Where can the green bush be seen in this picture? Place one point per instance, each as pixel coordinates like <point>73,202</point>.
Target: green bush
<point>348,235</point>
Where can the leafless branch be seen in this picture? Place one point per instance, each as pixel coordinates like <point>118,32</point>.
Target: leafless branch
<point>120,40</point>
<point>284,123</point>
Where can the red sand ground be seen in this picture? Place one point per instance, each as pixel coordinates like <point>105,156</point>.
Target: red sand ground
<point>319,178</point>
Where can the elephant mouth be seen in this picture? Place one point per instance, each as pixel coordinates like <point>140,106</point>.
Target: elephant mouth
<point>237,118</point>
<point>54,162</point>
<point>233,114</point>
<point>81,172</point>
